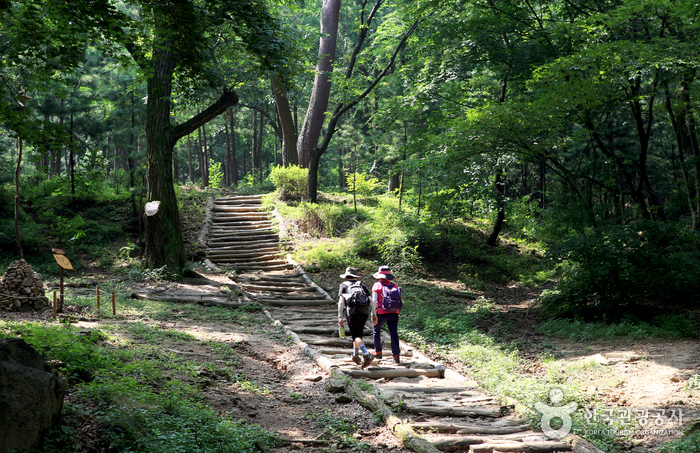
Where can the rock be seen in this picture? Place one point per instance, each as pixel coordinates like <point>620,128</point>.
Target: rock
<point>335,386</point>
<point>31,398</point>
<point>342,399</point>
<point>314,378</point>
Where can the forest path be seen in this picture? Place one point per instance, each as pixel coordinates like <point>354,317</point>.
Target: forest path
<point>417,395</point>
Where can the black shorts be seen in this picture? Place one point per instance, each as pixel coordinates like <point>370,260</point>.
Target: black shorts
<point>356,324</point>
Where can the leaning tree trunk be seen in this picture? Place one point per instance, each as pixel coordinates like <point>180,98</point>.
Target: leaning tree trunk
<point>318,103</point>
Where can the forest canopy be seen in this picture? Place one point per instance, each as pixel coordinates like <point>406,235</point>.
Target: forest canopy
<point>567,124</point>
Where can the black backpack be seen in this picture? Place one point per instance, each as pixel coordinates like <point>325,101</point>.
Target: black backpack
<point>356,296</point>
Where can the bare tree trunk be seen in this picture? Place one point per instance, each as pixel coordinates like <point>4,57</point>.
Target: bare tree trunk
<point>189,159</point>
<point>205,157</point>
<point>227,172</point>
<point>234,160</point>
<point>258,150</point>
<point>320,93</point>
<point>284,116</point>
<point>500,216</point>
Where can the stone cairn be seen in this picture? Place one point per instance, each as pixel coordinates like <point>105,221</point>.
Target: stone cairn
<point>21,288</point>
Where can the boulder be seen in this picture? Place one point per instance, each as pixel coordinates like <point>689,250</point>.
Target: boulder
<point>31,397</point>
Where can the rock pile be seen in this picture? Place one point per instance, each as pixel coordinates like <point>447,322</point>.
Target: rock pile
<point>22,288</point>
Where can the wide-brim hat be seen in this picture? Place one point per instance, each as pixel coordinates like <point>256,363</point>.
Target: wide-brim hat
<point>384,273</point>
<point>350,272</point>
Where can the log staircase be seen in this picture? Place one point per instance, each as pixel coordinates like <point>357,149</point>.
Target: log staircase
<point>438,409</point>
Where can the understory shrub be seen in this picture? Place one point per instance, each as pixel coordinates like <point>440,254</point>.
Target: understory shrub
<point>291,182</point>
<point>620,269</point>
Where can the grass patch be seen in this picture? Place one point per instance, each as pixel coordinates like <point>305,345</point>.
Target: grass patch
<point>663,326</point>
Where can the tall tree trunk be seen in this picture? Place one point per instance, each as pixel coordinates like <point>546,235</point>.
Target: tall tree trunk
<point>284,116</point>
<point>258,150</point>
<point>500,215</point>
<point>189,159</point>
<point>227,169</point>
<point>164,244</point>
<point>199,154</point>
<point>234,159</point>
<point>320,93</point>
<point>500,187</point>
<point>205,157</point>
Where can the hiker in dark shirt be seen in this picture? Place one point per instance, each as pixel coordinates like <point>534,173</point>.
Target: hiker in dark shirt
<point>354,306</point>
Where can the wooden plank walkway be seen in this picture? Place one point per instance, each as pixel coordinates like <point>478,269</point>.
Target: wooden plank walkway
<point>431,407</point>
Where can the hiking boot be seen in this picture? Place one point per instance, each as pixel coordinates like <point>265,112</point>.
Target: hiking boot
<point>368,359</point>
<point>357,359</point>
<point>397,361</point>
<point>377,356</point>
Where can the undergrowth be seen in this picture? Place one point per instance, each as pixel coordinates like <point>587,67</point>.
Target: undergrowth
<point>143,396</point>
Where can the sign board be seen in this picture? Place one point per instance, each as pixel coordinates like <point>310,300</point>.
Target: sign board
<point>63,262</point>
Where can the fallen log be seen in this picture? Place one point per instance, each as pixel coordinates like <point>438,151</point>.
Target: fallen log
<point>187,300</point>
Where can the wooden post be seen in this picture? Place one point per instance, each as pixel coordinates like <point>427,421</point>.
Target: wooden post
<point>54,304</point>
<point>98,297</point>
<point>114,305</point>
<point>60,297</point>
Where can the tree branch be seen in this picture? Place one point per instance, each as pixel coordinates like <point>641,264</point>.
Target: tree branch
<point>227,99</point>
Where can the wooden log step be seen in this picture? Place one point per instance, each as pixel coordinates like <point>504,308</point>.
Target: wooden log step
<point>292,279</point>
<point>241,223</point>
<point>427,390</point>
<point>276,263</point>
<point>264,245</point>
<point>235,208</point>
<point>289,296</point>
<point>238,217</point>
<point>236,227</point>
<point>276,283</point>
<point>332,330</point>
<point>243,253</point>
<point>348,350</point>
<point>253,267</point>
<point>518,447</point>
<point>279,289</point>
<point>373,372</point>
<point>291,303</point>
<point>222,231</point>
<point>248,237</point>
<point>246,244</point>
<point>234,252</point>
<point>456,411</point>
<point>225,232</point>
<point>283,311</point>
<point>227,256</point>
<point>468,428</point>
<point>236,198</point>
